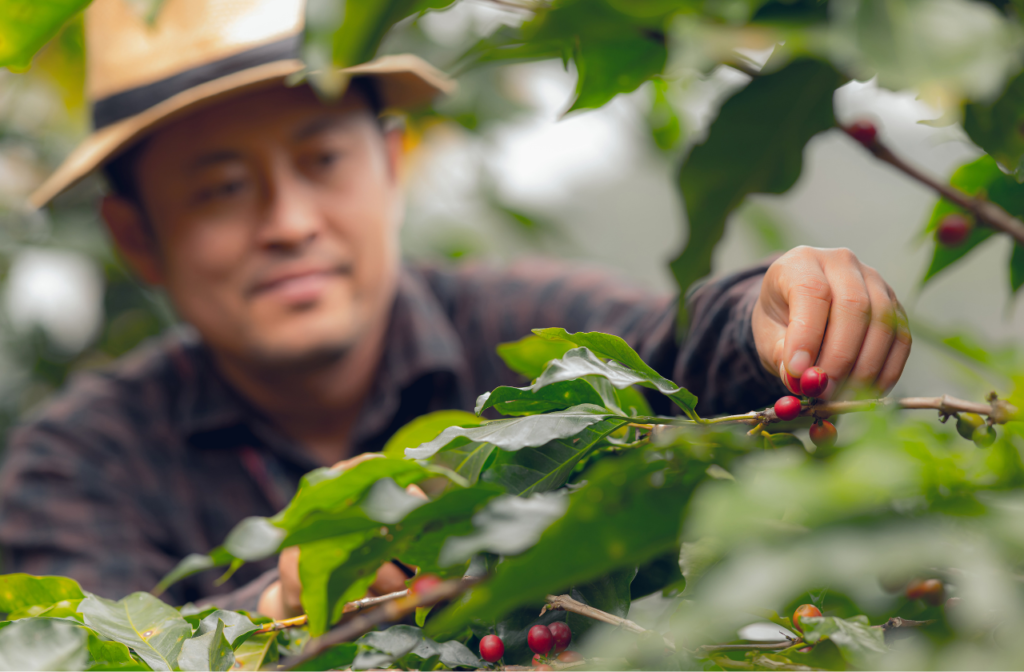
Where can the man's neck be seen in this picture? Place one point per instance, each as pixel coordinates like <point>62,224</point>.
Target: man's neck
<point>316,406</point>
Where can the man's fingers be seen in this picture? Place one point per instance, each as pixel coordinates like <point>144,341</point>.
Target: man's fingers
<point>291,584</point>
<point>848,321</point>
<point>809,302</point>
<point>389,580</point>
<point>353,461</point>
<point>898,353</point>
<point>880,335</point>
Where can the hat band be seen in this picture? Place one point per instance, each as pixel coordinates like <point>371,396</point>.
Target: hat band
<point>113,109</point>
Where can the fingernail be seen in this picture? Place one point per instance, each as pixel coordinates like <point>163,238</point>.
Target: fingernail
<point>799,362</point>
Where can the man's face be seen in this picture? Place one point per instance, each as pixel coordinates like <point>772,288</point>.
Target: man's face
<point>274,221</point>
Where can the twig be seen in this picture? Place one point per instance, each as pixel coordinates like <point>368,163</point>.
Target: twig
<point>983,210</point>
<point>1000,411</point>
<point>390,610</point>
<point>896,622</point>
<point>566,603</point>
<point>772,646</point>
<point>350,608</point>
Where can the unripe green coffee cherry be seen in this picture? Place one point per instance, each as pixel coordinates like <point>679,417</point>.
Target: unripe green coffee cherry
<point>967,423</point>
<point>984,436</point>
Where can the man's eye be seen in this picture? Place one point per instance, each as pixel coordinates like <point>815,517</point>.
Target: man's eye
<point>223,190</point>
<point>327,159</point>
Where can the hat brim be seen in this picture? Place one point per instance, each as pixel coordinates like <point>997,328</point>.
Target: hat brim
<point>404,81</point>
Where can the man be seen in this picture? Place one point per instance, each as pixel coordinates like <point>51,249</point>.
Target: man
<point>271,220</point>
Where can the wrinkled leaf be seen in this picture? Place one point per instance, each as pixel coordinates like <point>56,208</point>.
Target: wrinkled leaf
<point>517,433</point>
<point>209,652</point>
<point>599,533</point>
<point>236,626</point>
<point>857,640</point>
<point>614,348</point>
<point>507,526</point>
<point>26,25</point>
<point>152,628</point>
<point>466,458</point>
<point>530,354</point>
<point>425,428</point>
<point>400,641</point>
<point>547,467</point>
<point>19,592</point>
<point>996,127</point>
<point>539,398</point>
<point>255,652</point>
<point>42,644</point>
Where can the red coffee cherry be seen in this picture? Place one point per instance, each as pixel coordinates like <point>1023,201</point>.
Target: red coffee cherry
<point>540,640</point>
<point>814,381</point>
<point>953,230</point>
<point>863,131</point>
<point>492,648</point>
<point>562,635</point>
<point>425,584</point>
<point>929,590</point>
<point>569,657</point>
<point>787,408</point>
<point>824,434</point>
<point>792,383</point>
<point>804,611</point>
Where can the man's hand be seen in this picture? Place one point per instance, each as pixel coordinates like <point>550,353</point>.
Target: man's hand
<point>283,598</point>
<point>825,307</point>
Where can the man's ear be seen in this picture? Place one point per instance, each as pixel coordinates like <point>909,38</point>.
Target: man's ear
<point>394,145</point>
<point>133,237</point>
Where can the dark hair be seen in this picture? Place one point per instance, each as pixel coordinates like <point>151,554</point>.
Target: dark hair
<point>120,170</point>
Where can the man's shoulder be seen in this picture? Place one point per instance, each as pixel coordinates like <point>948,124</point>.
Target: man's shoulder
<point>142,384</point>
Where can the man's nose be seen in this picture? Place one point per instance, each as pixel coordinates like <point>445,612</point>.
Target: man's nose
<point>292,218</point>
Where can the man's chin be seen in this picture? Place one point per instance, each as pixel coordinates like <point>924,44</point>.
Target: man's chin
<point>298,357</point>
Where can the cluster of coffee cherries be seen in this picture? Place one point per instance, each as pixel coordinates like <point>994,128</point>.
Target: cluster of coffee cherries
<point>812,383</point>
<point>974,427</point>
<point>548,643</point>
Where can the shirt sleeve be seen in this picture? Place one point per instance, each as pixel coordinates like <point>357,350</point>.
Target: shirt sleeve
<point>717,360</point>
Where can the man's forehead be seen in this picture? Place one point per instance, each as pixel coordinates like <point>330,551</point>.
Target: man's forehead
<point>280,113</point>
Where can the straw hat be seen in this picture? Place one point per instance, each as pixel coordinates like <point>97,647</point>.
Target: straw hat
<point>139,76</point>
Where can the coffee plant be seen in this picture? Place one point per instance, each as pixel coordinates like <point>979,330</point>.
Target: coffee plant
<point>564,511</point>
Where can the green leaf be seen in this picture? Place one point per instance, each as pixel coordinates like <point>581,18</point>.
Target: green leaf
<point>339,569</point>
<point>613,347</point>
<point>1017,267</point>
<point>19,592</point>
<point>996,127</point>
<point>517,433</point>
<point>104,652</point>
<point>599,533</point>
<point>43,644</point>
<point>26,25</point>
<point>532,400</point>
<point>529,355</point>
<point>254,538</point>
<point>193,563</point>
<point>338,657</point>
<point>259,649</point>
<point>209,652</point>
<point>548,467</point>
<point>858,642</point>
<point>425,428</point>
<point>609,593</point>
<point>402,641</point>
<point>977,178</point>
<point>755,145</point>
<point>152,628</point>
<point>618,63</point>
<point>507,526</point>
<point>236,626</point>
<point>329,490</point>
<point>466,458</point>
